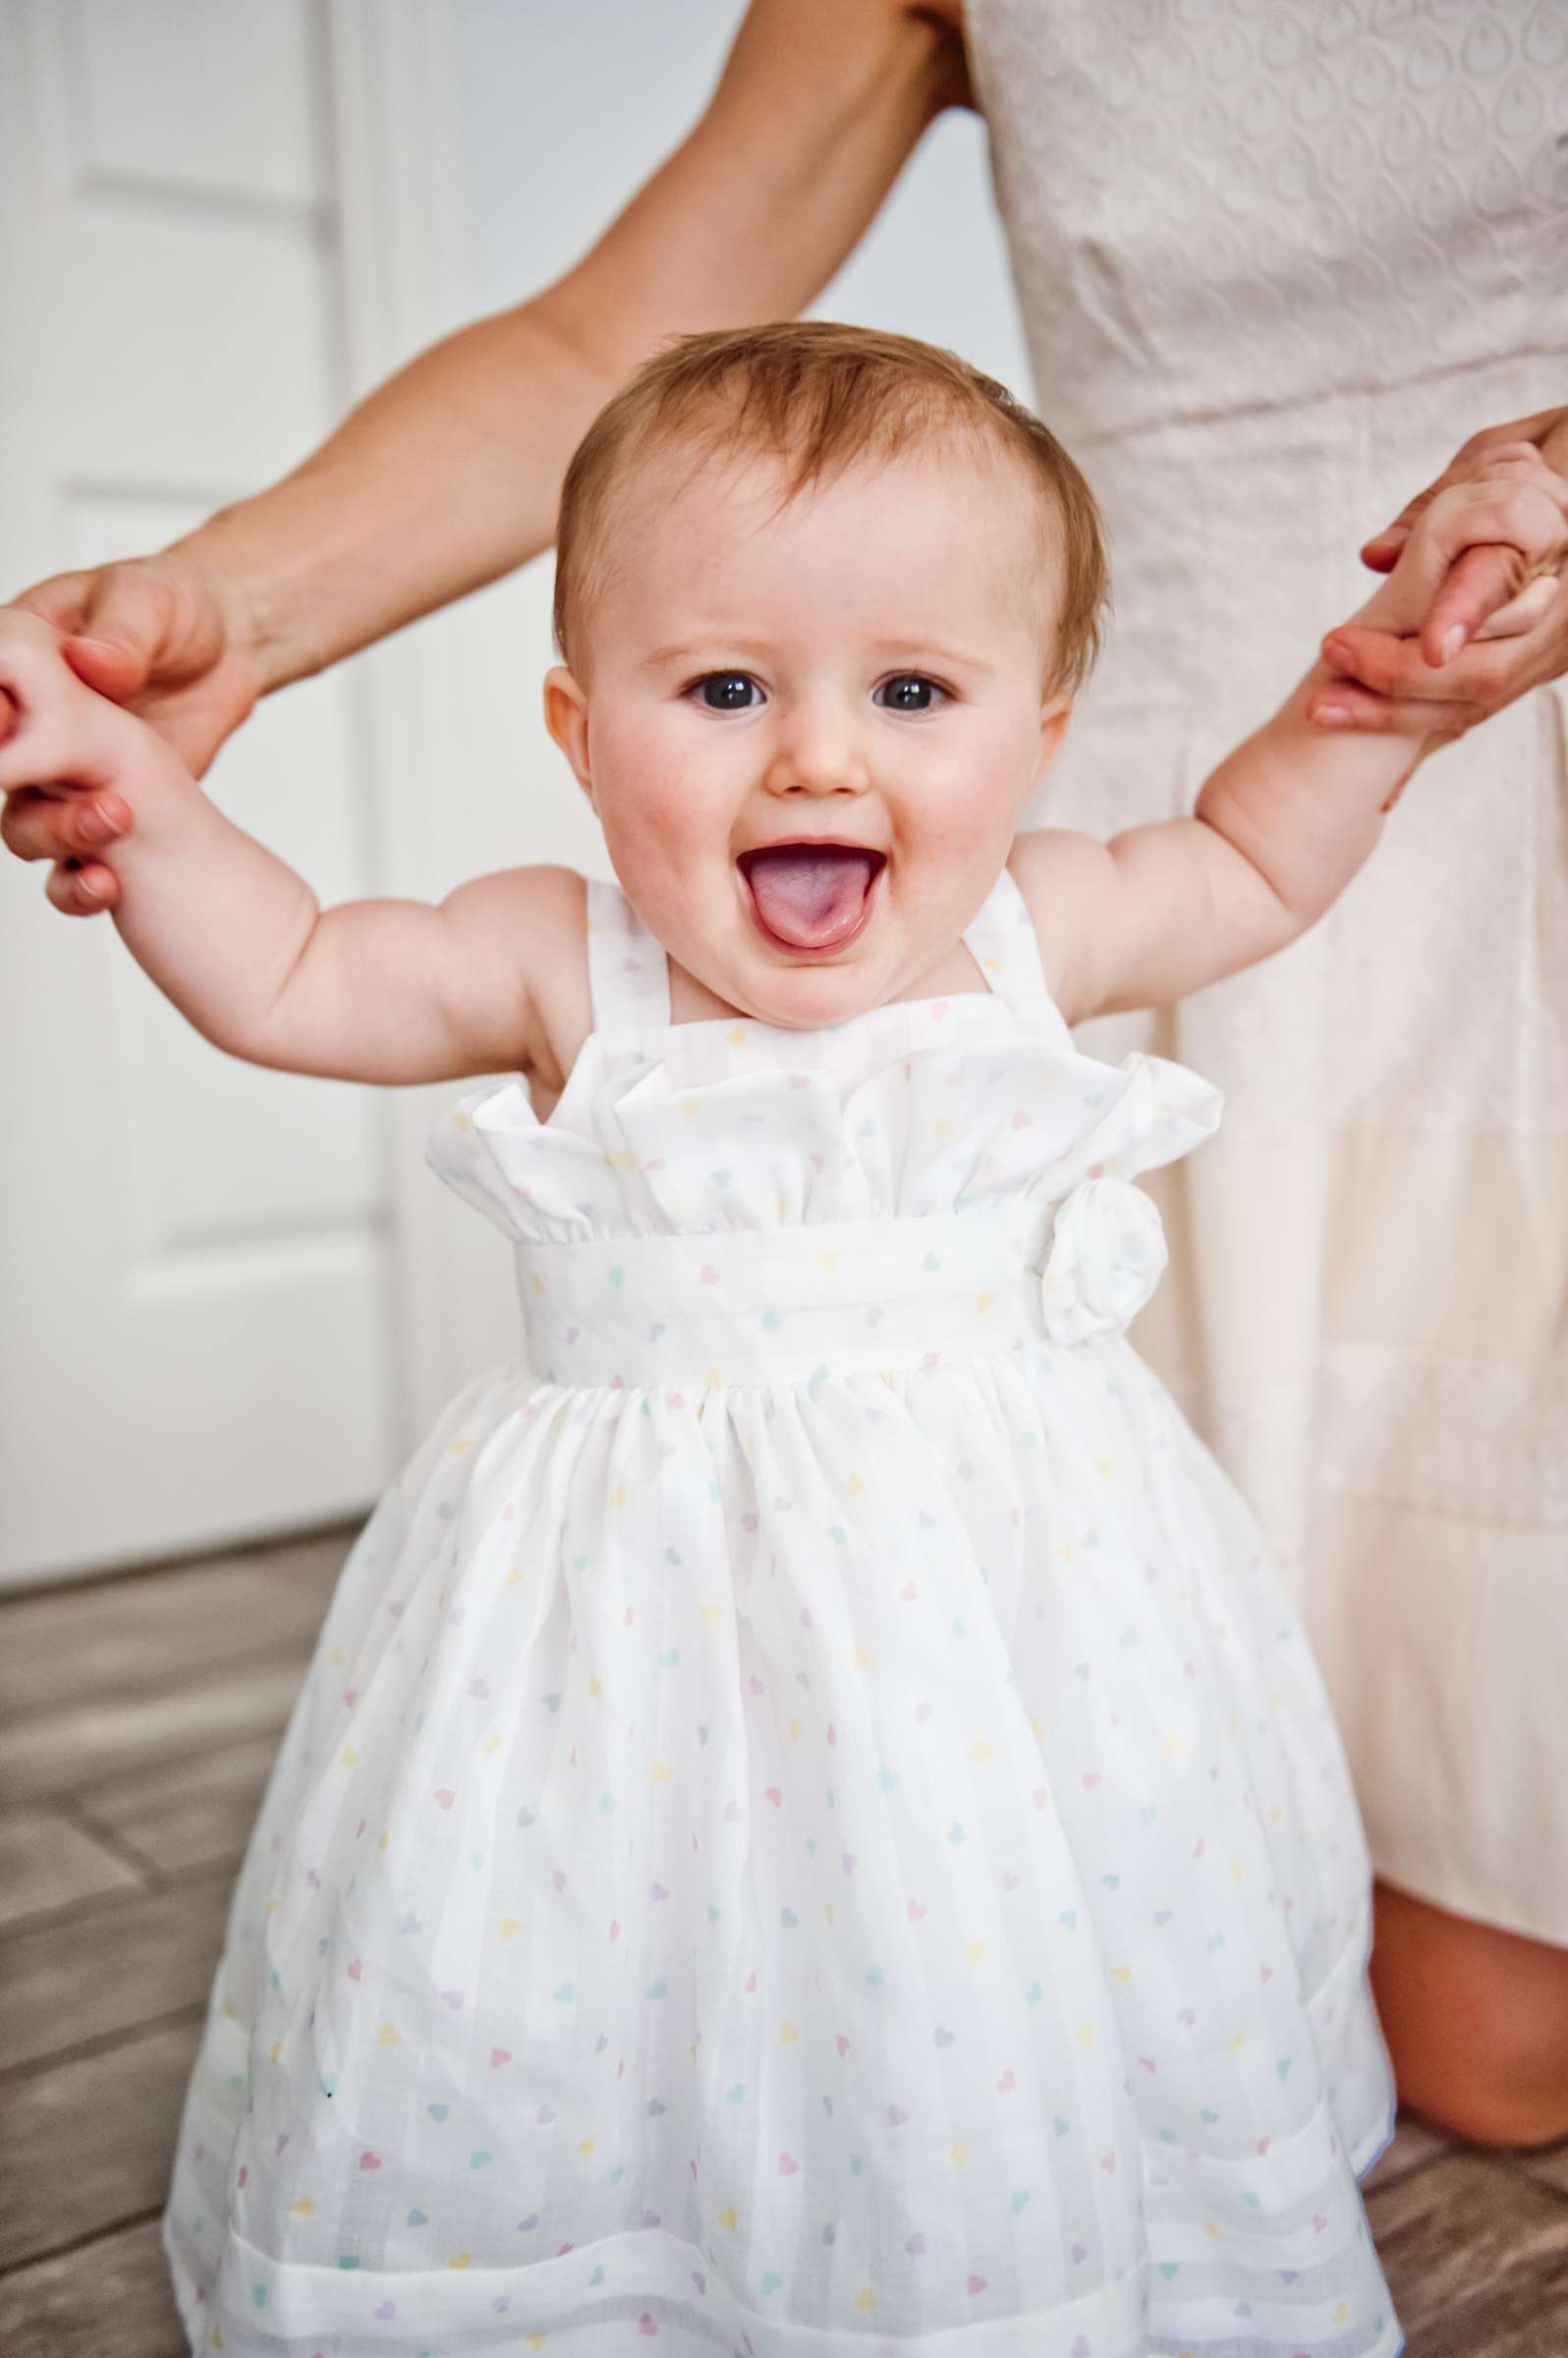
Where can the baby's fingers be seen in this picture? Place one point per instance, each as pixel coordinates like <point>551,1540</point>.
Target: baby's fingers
<point>39,751</point>
<point>1520,614</point>
<point>1472,552</point>
<point>1505,536</point>
<point>53,735</point>
<point>42,822</point>
<point>1477,586</point>
<point>1544,434</point>
<point>82,891</point>
<point>67,825</point>
<point>61,750</point>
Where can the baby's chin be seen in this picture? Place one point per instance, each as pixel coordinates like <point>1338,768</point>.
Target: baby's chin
<point>810,998</point>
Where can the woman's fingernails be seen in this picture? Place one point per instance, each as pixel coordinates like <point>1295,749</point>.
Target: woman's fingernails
<point>1338,652</point>
<point>1395,537</point>
<point>1452,641</point>
<point>1330,716</point>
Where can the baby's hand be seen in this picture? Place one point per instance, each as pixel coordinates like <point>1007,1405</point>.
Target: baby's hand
<point>64,743</point>
<point>1517,510</point>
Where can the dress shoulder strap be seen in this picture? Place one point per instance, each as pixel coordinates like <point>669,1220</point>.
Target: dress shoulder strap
<point>1002,940</point>
<point>629,975</point>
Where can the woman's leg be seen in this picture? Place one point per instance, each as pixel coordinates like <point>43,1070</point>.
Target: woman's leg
<point>1476,2020</point>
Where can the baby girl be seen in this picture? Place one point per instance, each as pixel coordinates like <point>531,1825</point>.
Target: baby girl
<point>811,1824</point>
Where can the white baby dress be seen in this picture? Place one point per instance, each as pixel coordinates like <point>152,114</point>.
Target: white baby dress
<point>812,1830</point>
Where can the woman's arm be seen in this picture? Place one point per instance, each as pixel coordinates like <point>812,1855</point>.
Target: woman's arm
<point>449,474</point>
<point>1285,822</point>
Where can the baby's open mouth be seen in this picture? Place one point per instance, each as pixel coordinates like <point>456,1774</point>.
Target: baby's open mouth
<point>810,896</point>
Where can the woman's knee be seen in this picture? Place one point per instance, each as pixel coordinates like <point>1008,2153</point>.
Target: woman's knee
<point>1476,2020</point>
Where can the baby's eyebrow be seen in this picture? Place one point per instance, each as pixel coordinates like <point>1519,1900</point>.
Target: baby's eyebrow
<point>919,648</point>
<point>913,646</point>
<point>687,650</point>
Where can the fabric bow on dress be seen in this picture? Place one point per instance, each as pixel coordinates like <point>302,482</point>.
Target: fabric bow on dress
<point>1107,1256</point>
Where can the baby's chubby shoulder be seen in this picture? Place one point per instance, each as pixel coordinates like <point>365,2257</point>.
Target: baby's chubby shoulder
<point>547,902</point>
<point>532,923</point>
<point>1058,872</point>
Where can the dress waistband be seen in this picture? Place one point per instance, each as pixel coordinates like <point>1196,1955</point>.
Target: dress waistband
<point>779,1306</point>
<point>792,1305</point>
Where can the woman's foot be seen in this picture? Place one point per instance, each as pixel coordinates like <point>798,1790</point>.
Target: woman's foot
<point>1476,2020</point>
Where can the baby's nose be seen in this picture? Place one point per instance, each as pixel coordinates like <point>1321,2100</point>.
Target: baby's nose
<point>818,750</point>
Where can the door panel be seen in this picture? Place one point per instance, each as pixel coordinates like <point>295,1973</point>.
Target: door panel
<point>196,1256</point>
<point>122,76</point>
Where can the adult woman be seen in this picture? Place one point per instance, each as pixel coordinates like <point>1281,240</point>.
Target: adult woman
<point>1261,267</point>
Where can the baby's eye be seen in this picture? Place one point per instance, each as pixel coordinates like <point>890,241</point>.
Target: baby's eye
<point>726,691</point>
<point>910,691</point>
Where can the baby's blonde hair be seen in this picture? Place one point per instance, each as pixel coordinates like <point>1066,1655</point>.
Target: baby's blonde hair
<point>821,396</point>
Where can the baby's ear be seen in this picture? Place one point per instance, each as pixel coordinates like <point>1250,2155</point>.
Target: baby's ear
<point>566,718</point>
<point>1054,714</point>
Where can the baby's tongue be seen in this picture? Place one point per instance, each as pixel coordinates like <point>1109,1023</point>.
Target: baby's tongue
<point>810,895</point>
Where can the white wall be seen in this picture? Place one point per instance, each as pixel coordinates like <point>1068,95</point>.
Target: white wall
<point>562,112</point>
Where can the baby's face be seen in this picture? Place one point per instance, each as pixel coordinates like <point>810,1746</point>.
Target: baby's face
<point>809,732</point>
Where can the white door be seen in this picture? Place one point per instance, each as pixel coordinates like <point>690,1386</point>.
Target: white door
<point>201,227</point>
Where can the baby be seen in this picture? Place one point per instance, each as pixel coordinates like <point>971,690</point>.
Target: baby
<point>812,1822</point>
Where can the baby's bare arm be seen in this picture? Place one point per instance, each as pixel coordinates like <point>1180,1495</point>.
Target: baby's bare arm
<point>383,990</point>
<point>1281,826</point>
<point>387,990</point>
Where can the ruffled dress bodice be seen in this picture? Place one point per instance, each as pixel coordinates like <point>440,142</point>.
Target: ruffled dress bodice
<point>940,1173</point>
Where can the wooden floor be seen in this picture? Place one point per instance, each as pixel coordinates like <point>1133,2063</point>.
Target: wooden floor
<point>138,1719</point>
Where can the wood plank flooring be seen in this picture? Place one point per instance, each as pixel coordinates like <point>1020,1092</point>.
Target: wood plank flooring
<point>139,1717</point>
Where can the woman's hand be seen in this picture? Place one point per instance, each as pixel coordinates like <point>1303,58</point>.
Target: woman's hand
<point>152,634</point>
<point>1480,644</point>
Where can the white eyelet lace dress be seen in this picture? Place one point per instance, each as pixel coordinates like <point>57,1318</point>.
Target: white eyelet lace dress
<point>812,1830</point>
